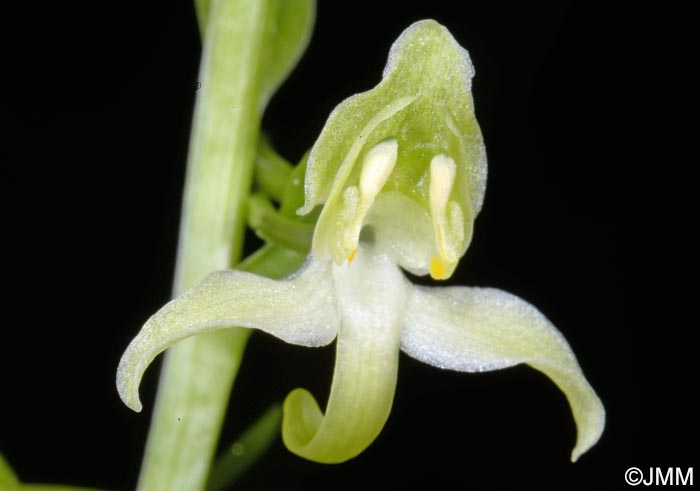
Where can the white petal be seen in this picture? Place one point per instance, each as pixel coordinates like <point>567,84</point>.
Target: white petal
<point>301,310</point>
<point>478,329</point>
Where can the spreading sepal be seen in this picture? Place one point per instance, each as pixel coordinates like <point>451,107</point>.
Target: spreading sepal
<point>482,329</point>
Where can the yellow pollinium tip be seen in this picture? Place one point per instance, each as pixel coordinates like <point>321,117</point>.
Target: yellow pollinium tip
<point>448,234</point>
<point>352,256</point>
<point>438,269</point>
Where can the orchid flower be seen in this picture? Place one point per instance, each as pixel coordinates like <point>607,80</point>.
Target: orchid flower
<point>400,172</point>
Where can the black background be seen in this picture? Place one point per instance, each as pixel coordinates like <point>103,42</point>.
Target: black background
<point>97,102</point>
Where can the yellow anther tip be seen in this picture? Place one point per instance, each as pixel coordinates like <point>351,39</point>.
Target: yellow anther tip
<point>438,271</point>
<point>352,256</point>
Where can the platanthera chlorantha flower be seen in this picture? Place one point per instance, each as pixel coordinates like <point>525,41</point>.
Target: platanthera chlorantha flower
<point>400,171</point>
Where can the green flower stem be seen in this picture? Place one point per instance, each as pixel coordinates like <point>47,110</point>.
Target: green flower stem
<point>272,226</point>
<point>198,373</point>
<point>271,170</point>
<point>246,450</point>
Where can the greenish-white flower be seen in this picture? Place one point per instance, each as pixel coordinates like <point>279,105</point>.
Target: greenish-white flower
<point>400,171</point>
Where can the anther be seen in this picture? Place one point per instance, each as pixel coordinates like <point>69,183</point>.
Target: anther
<point>443,171</point>
<point>442,178</point>
<point>376,168</point>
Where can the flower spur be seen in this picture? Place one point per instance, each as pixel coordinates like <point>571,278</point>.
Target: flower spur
<point>400,171</point>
